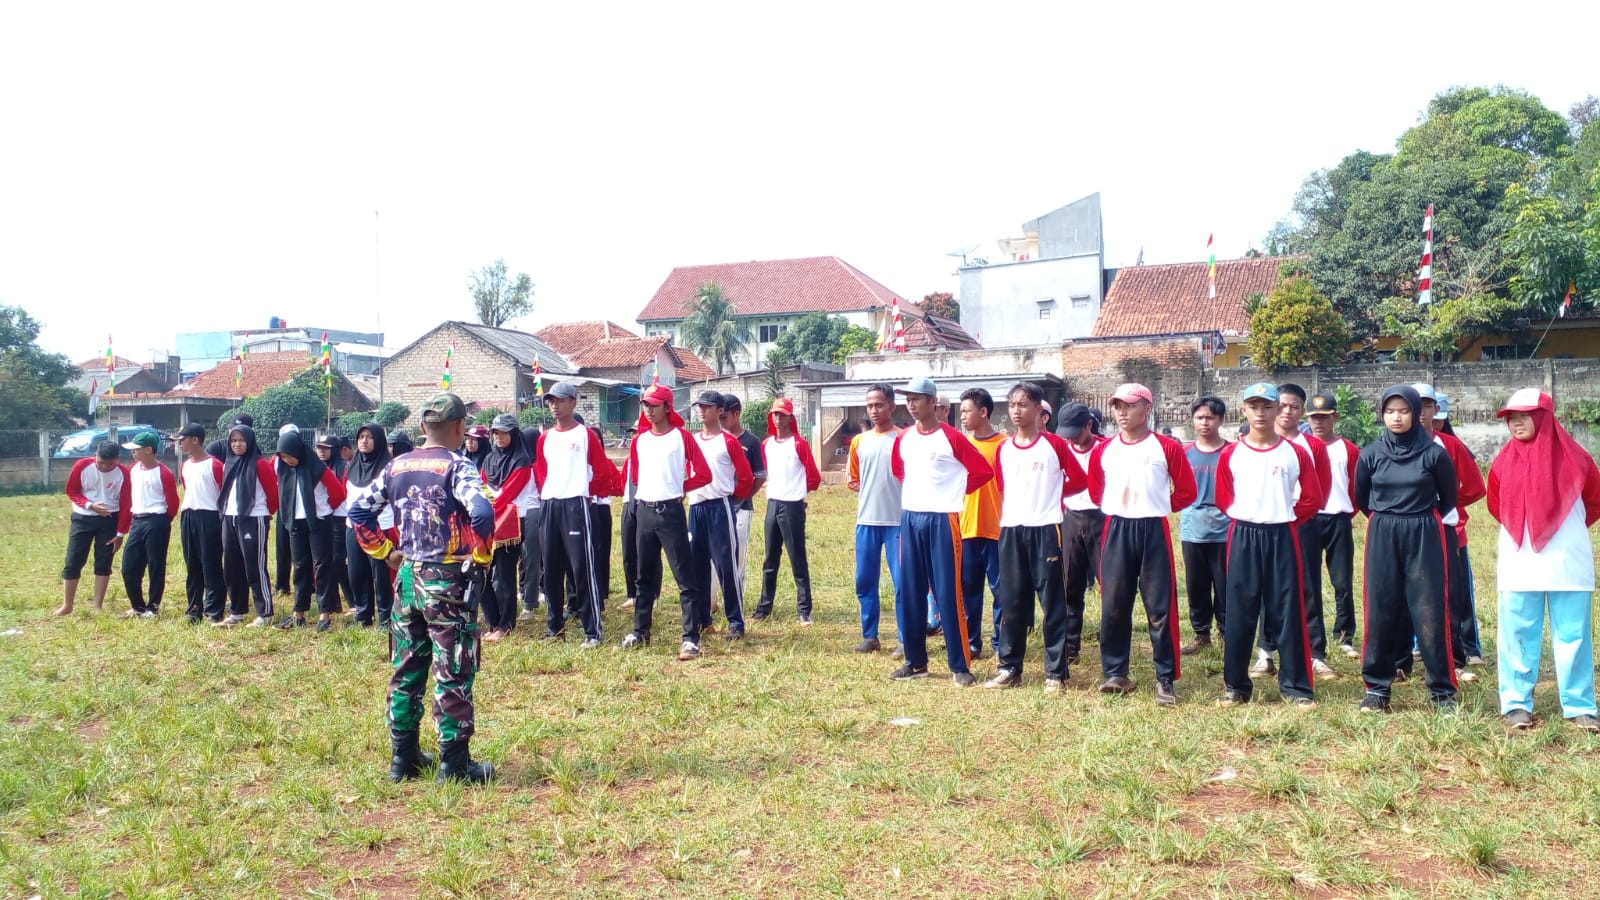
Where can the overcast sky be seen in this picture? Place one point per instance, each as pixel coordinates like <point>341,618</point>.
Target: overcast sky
<point>168,168</point>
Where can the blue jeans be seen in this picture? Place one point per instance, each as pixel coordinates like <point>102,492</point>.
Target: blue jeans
<point>1521,636</point>
<point>873,542</point>
<point>980,561</point>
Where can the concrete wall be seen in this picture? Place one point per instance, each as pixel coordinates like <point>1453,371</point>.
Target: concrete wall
<point>999,303</point>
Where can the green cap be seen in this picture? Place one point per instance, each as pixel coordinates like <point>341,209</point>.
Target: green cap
<point>1261,391</point>
<point>446,407</point>
<point>144,439</point>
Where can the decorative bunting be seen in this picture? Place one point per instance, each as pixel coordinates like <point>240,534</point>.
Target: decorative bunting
<point>111,369</point>
<point>327,360</point>
<point>444,382</point>
<point>1425,275</point>
<point>1566,302</point>
<point>1211,265</point>
<point>538,379</point>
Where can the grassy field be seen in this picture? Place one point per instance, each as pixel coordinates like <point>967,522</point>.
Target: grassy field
<point>151,758</point>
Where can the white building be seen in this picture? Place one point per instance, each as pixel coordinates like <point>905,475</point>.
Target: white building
<point>1049,286</point>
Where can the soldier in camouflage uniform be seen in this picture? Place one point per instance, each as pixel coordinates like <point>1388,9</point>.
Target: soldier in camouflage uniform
<point>443,518</point>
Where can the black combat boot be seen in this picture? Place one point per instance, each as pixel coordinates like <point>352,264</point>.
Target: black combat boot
<point>455,762</point>
<point>408,760</point>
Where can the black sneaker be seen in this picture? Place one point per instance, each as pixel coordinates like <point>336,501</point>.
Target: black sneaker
<point>1164,693</point>
<point>324,625</point>
<point>554,637</point>
<point>291,623</point>
<point>1518,720</point>
<point>1374,703</point>
<point>1590,724</point>
<point>805,618</point>
<point>1231,698</point>
<point>688,651</point>
<point>1118,684</point>
<point>734,633</point>
<point>759,616</point>
<point>908,672</point>
<point>1003,678</point>
<point>868,645</point>
<point>1446,706</point>
<point>963,679</point>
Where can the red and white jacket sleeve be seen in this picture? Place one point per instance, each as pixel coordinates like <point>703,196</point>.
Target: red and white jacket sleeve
<point>744,480</point>
<point>979,472</point>
<point>169,488</point>
<point>267,480</point>
<point>696,473</point>
<point>1184,489</point>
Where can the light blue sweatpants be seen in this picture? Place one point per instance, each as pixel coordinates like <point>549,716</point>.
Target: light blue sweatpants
<point>1521,640</point>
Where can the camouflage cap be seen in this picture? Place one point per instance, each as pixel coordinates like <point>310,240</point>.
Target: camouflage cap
<point>445,407</point>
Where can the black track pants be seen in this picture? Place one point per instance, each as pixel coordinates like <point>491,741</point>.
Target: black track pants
<point>1405,593</point>
<point>1030,566</point>
<point>1266,582</point>
<point>1137,557</point>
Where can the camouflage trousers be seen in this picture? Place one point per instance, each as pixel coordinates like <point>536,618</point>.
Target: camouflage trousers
<point>433,628</point>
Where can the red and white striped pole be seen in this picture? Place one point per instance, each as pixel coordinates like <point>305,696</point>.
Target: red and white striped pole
<point>1425,276</point>
<point>899,329</point>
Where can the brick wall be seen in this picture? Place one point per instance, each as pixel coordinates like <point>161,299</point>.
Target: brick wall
<point>1169,367</point>
<point>478,373</point>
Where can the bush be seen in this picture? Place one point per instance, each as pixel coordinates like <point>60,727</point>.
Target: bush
<point>536,415</point>
<point>388,414</point>
<point>486,416</point>
<point>1358,422</point>
<point>1296,326</point>
<point>1584,411</point>
<point>754,417</point>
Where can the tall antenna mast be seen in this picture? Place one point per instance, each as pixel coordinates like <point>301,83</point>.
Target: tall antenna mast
<point>377,303</point>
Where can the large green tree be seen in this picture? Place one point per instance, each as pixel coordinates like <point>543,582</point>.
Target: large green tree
<point>1295,325</point>
<point>35,387</point>
<point>303,402</point>
<point>1480,156</point>
<point>713,328</point>
<point>814,337</point>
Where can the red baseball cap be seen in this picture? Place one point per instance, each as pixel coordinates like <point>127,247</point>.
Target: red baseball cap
<point>1527,400</point>
<point>1132,393</point>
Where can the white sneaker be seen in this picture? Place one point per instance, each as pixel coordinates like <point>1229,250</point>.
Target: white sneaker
<point>1263,665</point>
<point>131,614</point>
<point>259,622</point>
<point>689,650</point>
<point>147,614</point>
<point>1321,669</point>
<point>228,622</point>
<point>1350,651</point>
<point>1466,675</point>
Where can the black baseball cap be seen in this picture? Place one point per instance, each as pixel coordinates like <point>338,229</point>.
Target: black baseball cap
<point>1321,405</point>
<point>193,429</point>
<point>1074,418</point>
<point>732,402</point>
<point>711,398</point>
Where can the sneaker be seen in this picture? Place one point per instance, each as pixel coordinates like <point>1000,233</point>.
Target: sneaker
<point>1302,703</point>
<point>977,653</point>
<point>628,603</point>
<point>908,672</point>
<point>1466,675</point>
<point>1350,651</point>
<point>634,640</point>
<point>1231,698</point>
<point>963,679</point>
<point>1446,706</point>
<point>1003,678</point>
<point>1118,684</point>
<point>259,622</point>
<point>899,653</point>
<point>324,625</point>
<point>228,622</point>
<point>1586,723</point>
<point>148,614</point>
<point>1054,685</point>
<point>1263,665</point>
<point>554,637</point>
<point>689,650</point>
<point>759,616</point>
<point>192,619</point>
<point>867,646</point>
<point>1518,720</point>
<point>1164,693</point>
<point>1374,703</point>
<point>1200,642</point>
<point>1401,675</point>
<point>1321,669</point>
<point>291,623</point>
<point>734,633</point>
<point>805,618</point>
<point>527,615</point>
<point>1474,661</point>
<point>591,644</point>
<point>132,614</point>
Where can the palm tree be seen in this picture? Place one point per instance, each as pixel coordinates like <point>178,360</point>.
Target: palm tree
<point>714,329</point>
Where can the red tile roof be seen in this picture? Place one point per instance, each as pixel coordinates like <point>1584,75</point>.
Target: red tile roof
<point>619,352</point>
<point>261,371</point>
<point>690,366</point>
<point>772,287</point>
<point>1173,299</point>
<point>571,337</point>
<point>938,332</point>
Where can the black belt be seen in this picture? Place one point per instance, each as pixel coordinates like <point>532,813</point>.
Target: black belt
<point>160,515</point>
<point>658,505</point>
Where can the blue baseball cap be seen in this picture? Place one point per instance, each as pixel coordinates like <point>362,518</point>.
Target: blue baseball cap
<point>920,385</point>
<point>1261,390</point>
<point>1444,407</point>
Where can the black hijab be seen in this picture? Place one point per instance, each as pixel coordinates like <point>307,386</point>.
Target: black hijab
<point>1402,447</point>
<point>501,462</point>
<point>480,455</point>
<point>303,477</point>
<point>367,466</point>
<point>530,439</point>
<point>335,461</point>
<point>240,472</point>
<point>219,449</point>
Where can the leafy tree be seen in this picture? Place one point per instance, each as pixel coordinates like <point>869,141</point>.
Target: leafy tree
<point>814,337</point>
<point>535,415</point>
<point>855,340</point>
<point>486,416</point>
<point>388,414</point>
<point>34,385</point>
<point>1358,421</point>
<point>303,402</point>
<point>713,328</point>
<point>497,297</point>
<point>942,303</point>
<point>772,377</point>
<point>1296,326</point>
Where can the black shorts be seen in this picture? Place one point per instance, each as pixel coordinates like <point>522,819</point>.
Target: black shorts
<point>86,531</point>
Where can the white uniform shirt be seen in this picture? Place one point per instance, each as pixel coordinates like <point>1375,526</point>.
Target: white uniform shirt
<point>786,473</point>
<point>662,465</point>
<point>146,494</point>
<point>1565,564</point>
<point>566,463</point>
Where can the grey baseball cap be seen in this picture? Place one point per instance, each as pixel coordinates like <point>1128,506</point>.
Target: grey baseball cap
<point>565,390</point>
<point>919,385</point>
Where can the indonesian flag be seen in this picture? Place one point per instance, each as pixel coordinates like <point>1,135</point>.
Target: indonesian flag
<point>899,344</point>
<point>1566,302</point>
<point>538,379</point>
<point>111,368</point>
<point>444,380</point>
<point>1425,275</point>
<point>327,360</point>
<point>1211,265</point>
<point>94,396</point>
<point>238,374</point>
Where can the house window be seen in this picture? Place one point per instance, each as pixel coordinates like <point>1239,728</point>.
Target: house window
<point>769,333</point>
<point>1080,302</point>
<point>1045,311</point>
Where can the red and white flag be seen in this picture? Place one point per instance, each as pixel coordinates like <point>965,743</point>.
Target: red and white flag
<point>899,329</point>
<point>1425,276</point>
<point>1566,302</point>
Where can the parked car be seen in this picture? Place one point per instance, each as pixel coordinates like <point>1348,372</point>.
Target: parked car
<point>83,443</point>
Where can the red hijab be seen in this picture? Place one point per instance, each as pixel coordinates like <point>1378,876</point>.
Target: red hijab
<point>1542,478</point>
<point>658,393</point>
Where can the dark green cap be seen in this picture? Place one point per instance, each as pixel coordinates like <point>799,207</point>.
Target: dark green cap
<point>446,407</point>
<point>144,439</point>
